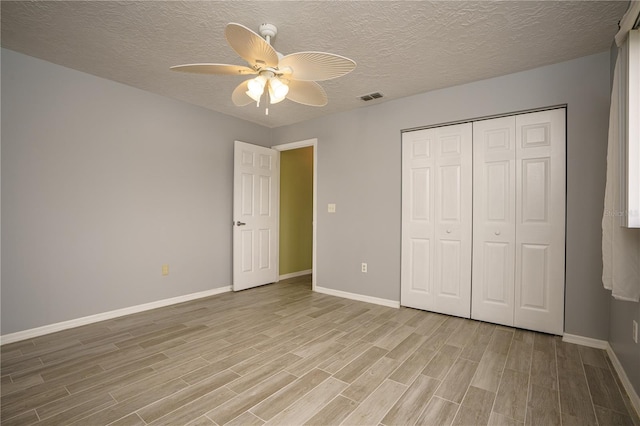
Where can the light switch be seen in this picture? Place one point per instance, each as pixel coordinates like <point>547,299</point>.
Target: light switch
<point>165,269</point>
<point>331,208</point>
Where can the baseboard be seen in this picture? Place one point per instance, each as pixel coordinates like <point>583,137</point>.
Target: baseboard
<point>603,344</point>
<point>359,297</point>
<point>52,328</point>
<point>585,341</point>
<point>294,274</point>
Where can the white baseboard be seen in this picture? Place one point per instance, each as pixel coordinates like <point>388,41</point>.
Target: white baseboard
<point>52,328</point>
<point>585,341</point>
<point>359,297</point>
<point>603,344</point>
<point>294,274</point>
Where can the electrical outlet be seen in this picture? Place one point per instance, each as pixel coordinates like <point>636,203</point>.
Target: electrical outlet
<point>331,208</point>
<point>165,269</point>
<point>364,267</point>
<point>635,331</point>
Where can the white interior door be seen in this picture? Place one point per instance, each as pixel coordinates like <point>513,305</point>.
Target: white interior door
<point>494,224</point>
<point>256,177</point>
<point>540,221</point>
<point>436,219</point>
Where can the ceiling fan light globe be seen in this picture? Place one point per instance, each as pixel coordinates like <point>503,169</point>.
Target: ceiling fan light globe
<point>253,96</point>
<point>256,87</point>
<point>274,99</point>
<point>277,90</point>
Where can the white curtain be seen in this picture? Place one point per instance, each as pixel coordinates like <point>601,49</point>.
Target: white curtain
<point>620,246</point>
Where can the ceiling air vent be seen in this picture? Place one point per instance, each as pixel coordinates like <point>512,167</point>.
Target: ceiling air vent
<point>371,96</point>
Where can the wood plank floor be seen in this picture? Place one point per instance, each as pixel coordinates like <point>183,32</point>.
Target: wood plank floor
<point>283,355</point>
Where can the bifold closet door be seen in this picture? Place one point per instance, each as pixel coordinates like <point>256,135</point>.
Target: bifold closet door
<point>436,219</point>
<point>494,220</point>
<point>519,221</point>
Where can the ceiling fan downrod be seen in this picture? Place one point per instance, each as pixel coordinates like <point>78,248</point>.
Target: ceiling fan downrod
<point>267,31</point>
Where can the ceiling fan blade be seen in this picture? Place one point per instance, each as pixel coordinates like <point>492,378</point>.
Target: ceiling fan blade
<point>220,69</point>
<point>250,46</point>
<point>307,93</point>
<point>316,66</point>
<point>239,96</point>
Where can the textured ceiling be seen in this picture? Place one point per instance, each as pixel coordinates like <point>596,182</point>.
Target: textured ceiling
<point>402,48</point>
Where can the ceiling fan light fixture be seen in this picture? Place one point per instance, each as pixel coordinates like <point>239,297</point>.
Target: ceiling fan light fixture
<point>277,90</point>
<point>256,87</point>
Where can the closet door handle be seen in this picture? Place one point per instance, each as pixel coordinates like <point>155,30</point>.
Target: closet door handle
<point>448,231</point>
<point>497,232</point>
<point>240,223</point>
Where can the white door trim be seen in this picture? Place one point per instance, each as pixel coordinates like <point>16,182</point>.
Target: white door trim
<point>303,144</point>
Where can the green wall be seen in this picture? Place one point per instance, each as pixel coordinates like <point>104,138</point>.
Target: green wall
<point>296,210</point>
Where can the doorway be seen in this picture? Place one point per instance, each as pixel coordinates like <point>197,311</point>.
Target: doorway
<point>297,209</point>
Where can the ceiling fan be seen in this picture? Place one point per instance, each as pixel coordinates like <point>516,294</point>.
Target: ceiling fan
<point>280,77</point>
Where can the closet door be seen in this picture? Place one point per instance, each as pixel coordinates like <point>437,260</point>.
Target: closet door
<point>540,221</point>
<point>436,219</point>
<point>494,222</point>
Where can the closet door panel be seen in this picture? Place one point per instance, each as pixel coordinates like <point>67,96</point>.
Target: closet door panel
<point>418,164</point>
<point>420,264</point>
<point>535,191</point>
<point>450,194</point>
<point>497,277</point>
<point>494,220</point>
<point>453,220</point>
<point>534,276</point>
<point>540,221</point>
<point>436,220</point>
<point>449,275</point>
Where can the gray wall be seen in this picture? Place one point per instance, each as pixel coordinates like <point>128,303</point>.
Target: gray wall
<point>620,338</point>
<point>101,185</point>
<point>359,168</point>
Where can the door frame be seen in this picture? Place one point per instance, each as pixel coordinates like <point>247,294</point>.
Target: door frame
<point>287,147</point>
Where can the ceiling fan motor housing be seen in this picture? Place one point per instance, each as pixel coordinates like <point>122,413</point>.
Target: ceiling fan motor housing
<point>268,30</point>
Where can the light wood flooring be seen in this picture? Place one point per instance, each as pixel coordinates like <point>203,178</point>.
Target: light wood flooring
<point>283,355</point>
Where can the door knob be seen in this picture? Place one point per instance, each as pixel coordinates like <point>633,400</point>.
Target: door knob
<point>448,231</point>
<point>240,223</point>
<point>497,232</point>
